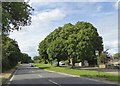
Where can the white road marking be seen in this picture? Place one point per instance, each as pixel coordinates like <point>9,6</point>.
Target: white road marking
<point>40,75</point>
<point>62,73</point>
<point>54,82</point>
<point>107,82</point>
<point>32,71</point>
<point>12,77</point>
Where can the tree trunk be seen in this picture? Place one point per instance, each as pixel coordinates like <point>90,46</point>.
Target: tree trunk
<point>73,63</point>
<point>69,62</point>
<point>51,62</point>
<point>45,62</point>
<point>83,63</point>
<point>58,62</point>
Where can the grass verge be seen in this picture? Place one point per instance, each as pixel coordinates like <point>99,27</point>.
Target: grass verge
<point>79,72</point>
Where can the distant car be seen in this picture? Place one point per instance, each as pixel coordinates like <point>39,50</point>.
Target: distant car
<point>60,63</point>
<point>31,65</point>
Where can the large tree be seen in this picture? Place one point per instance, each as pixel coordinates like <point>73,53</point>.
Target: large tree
<point>43,45</point>
<point>79,41</point>
<point>43,51</point>
<point>56,50</point>
<point>15,15</point>
<point>88,42</point>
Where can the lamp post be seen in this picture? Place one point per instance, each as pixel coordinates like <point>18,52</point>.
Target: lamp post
<point>98,61</point>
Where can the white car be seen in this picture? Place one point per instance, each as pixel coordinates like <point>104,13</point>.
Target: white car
<point>60,63</point>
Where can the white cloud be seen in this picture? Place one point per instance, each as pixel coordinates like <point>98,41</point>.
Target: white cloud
<point>30,36</point>
<point>111,44</point>
<point>99,8</point>
<point>117,4</point>
<point>48,16</point>
<point>108,29</point>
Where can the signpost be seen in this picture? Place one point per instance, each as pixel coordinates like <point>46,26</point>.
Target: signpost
<point>98,61</point>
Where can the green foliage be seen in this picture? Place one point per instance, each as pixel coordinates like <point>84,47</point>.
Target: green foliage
<point>43,51</point>
<point>37,59</point>
<point>15,15</point>
<point>77,42</point>
<point>10,53</point>
<point>116,56</point>
<point>56,50</point>
<point>102,58</point>
<point>25,58</point>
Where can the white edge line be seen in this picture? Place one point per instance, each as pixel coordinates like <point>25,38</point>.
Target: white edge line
<point>107,82</point>
<point>61,73</point>
<point>54,82</point>
<point>12,77</point>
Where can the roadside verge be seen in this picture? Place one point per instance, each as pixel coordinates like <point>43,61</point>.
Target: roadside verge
<point>6,76</point>
<point>88,74</point>
<point>97,79</point>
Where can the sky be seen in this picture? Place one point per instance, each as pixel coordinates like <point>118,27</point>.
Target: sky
<point>47,16</point>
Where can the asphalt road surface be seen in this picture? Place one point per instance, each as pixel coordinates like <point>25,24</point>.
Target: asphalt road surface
<point>31,75</point>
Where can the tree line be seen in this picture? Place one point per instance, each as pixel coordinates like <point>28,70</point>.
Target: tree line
<point>11,54</point>
<point>14,16</point>
<point>73,43</point>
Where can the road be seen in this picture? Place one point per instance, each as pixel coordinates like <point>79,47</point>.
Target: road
<point>32,75</point>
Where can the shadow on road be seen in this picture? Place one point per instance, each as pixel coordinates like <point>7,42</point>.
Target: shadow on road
<point>60,81</point>
<point>30,70</point>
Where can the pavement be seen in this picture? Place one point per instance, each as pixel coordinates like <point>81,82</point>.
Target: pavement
<point>31,75</point>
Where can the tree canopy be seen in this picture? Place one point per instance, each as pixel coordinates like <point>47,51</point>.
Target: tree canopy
<point>25,58</point>
<point>77,42</point>
<point>11,53</point>
<point>116,56</point>
<point>56,50</point>
<point>15,15</point>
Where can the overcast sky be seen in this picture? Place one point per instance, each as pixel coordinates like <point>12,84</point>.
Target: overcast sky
<point>47,16</point>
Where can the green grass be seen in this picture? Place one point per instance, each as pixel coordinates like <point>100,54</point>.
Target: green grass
<point>79,72</point>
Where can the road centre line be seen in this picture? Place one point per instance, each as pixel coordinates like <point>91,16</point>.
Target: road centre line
<point>54,82</point>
